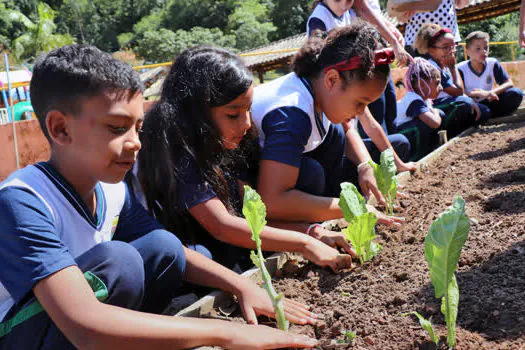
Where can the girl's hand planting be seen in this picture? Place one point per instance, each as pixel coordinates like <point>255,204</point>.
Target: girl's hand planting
<point>333,239</point>
<point>255,301</point>
<point>384,219</point>
<point>323,255</point>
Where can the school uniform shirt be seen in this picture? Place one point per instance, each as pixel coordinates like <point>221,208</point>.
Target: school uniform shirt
<point>46,226</point>
<point>492,72</point>
<point>445,15</point>
<point>374,5</point>
<point>411,106</point>
<point>324,19</point>
<point>193,189</point>
<point>446,78</point>
<point>283,112</point>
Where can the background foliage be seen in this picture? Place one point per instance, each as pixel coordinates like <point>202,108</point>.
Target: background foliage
<point>157,30</point>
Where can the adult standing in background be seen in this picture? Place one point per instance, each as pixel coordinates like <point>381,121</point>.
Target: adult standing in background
<point>522,24</point>
<point>445,16</point>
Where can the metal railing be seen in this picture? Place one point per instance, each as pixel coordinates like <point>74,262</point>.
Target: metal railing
<point>511,43</point>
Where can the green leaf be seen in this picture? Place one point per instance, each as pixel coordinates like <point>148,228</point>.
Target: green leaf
<point>351,201</point>
<point>360,232</point>
<point>443,244</point>
<point>449,308</point>
<point>426,325</point>
<point>254,211</point>
<point>385,174</point>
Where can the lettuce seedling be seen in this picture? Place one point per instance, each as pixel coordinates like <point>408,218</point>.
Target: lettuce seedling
<point>426,325</point>
<point>443,244</point>
<point>361,224</point>
<point>254,211</point>
<point>385,174</point>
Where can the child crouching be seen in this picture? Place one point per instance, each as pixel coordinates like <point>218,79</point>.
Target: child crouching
<point>416,118</point>
<point>481,73</point>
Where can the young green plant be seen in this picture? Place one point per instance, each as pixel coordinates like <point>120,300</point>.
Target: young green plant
<point>443,245</point>
<point>385,174</point>
<point>361,224</point>
<point>254,211</point>
<point>426,325</point>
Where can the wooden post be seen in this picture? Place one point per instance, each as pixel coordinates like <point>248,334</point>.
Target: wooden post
<point>260,73</point>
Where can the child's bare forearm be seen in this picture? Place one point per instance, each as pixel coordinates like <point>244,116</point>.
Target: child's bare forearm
<point>206,272</point>
<point>503,87</point>
<point>86,322</point>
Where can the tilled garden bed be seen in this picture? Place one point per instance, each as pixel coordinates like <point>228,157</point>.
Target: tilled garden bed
<point>487,168</point>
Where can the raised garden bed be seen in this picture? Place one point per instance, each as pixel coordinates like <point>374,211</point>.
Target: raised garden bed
<point>486,167</point>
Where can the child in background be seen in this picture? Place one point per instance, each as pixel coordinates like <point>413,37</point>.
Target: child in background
<point>329,14</point>
<point>198,146</point>
<point>480,73</point>
<point>83,264</point>
<point>416,118</point>
<point>308,143</point>
<point>437,45</point>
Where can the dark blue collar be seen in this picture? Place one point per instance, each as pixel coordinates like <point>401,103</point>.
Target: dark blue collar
<point>331,12</point>
<point>74,198</point>
<point>474,71</point>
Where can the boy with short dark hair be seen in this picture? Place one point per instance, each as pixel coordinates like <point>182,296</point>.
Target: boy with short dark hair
<point>72,233</point>
<point>481,73</point>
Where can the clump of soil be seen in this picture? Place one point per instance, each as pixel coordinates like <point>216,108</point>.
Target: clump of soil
<point>487,168</point>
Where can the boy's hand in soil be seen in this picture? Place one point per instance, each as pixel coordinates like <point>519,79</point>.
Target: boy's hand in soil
<point>384,219</point>
<point>333,239</point>
<point>262,337</point>
<point>254,301</point>
<point>323,255</point>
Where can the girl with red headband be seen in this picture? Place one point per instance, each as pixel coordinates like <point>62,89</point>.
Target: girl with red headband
<point>198,149</point>
<point>438,46</point>
<point>304,118</point>
<point>376,125</point>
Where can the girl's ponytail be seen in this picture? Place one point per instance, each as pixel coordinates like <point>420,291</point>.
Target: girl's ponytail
<point>306,61</point>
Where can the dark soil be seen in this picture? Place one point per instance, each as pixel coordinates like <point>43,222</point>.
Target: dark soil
<point>488,170</point>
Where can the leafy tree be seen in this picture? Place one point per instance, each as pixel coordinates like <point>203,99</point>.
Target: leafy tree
<point>39,36</point>
<point>124,39</point>
<point>151,22</point>
<point>251,24</point>
<point>164,44</point>
<point>290,17</point>
<point>186,14</point>
<point>502,28</point>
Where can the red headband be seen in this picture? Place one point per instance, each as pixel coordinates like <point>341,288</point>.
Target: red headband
<point>381,57</point>
<point>438,34</point>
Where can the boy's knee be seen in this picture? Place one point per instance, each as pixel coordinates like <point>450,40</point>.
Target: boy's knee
<point>311,177</point>
<point>486,113</point>
<point>166,250</point>
<point>121,268</point>
<point>199,248</point>
<point>465,103</point>
<point>515,96</point>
